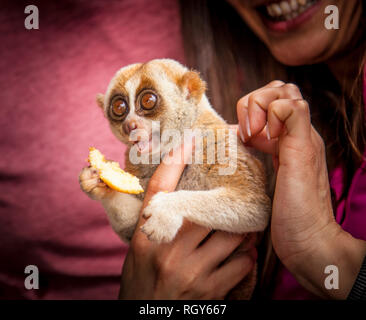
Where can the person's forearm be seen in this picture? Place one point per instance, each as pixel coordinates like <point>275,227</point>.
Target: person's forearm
<point>337,248</point>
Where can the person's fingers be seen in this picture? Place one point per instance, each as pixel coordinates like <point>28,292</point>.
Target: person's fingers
<point>242,109</point>
<point>243,118</point>
<point>273,84</point>
<point>231,273</point>
<point>294,114</point>
<point>249,242</point>
<point>168,173</point>
<point>218,247</point>
<point>258,104</point>
<point>189,237</point>
<point>260,142</point>
<point>165,178</point>
<point>253,115</point>
<point>178,253</point>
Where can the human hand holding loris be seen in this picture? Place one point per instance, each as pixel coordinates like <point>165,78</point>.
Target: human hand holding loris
<point>195,265</point>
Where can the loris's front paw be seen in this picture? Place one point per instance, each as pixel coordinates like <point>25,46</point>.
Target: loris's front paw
<point>164,220</point>
<point>92,185</point>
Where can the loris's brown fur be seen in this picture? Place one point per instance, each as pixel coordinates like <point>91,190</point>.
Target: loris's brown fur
<point>228,196</point>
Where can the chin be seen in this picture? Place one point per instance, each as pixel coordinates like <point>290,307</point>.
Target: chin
<point>302,50</point>
<point>294,59</point>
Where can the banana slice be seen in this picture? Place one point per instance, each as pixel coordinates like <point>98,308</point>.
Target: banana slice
<point>113,176</point>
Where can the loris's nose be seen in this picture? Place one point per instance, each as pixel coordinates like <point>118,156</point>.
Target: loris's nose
<point>128,126</point>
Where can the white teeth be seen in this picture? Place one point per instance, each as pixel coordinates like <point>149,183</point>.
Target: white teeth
<point>301,9</point>
<point>276,9</point>
<point>288,9</point>
<point>294,5</point>
<point>285,7</point>
<point>270,11</point>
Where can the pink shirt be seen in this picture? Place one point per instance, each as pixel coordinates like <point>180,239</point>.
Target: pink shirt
<point>350,214</point>
<point>48,118</point>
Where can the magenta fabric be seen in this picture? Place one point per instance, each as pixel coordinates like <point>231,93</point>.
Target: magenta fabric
<point>350,214</point>
<point>48,118</point>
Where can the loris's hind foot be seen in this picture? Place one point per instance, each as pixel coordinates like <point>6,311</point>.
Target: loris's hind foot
<point>92,185</point>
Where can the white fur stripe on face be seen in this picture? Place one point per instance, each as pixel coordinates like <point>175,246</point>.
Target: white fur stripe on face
<point>131,86</point>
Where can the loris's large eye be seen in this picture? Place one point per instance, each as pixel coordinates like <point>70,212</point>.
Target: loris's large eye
<point>118,109</point>
<point>148,100</point>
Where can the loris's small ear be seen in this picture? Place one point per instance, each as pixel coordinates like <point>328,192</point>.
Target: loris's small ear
<point>100,100</point>
<point>195,86</point>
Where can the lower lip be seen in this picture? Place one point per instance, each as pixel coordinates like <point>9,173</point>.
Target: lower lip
<point>284,26</point>
<point>147,148</point>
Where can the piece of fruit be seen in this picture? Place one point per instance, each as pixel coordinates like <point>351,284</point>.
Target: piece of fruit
<point>111,173</point>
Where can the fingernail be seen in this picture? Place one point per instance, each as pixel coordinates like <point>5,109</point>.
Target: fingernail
<point>241,134</point>
<point>247,124</point>
<point>267,132</point>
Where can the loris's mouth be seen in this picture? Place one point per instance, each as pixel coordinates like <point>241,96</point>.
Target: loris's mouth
<point>145,144</point>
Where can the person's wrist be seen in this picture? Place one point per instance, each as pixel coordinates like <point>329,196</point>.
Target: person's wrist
<point>332,247</point>
<point>321,250</point>
<point>351,253</point>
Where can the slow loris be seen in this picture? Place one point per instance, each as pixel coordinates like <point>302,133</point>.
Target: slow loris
<point>210,193</point>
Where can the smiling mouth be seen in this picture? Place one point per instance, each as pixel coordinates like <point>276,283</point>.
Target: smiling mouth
<point>286,10</point>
